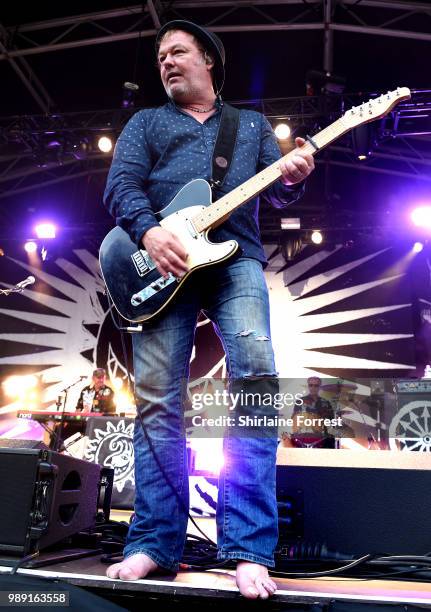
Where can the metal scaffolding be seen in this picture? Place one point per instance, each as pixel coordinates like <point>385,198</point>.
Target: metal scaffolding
<point>39,150</point>
<point>42,150</point>
<point>220,16</point>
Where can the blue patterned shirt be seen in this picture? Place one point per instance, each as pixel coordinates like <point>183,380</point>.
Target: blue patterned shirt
<point>162,149</point>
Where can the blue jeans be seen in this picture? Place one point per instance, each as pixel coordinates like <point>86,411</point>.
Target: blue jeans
<point>235,298</point>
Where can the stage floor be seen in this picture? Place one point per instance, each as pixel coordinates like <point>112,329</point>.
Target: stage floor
<point>219,585</point>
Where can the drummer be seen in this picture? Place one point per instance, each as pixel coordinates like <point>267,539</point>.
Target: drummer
<point>319,408</point>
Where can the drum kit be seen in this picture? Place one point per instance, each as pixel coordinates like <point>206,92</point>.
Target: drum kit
<point>308,431</point>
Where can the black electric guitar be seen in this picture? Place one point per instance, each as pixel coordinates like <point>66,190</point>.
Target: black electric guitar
<point>138,291</point>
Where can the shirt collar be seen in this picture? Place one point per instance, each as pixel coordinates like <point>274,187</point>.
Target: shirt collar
<point>218,104</point>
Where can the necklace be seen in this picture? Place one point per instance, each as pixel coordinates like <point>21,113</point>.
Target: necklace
<point>199,110</point>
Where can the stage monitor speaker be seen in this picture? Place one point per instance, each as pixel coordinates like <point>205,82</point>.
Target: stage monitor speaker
<point>45,497</point>
<point>15,443</point>
<point>355,502</point>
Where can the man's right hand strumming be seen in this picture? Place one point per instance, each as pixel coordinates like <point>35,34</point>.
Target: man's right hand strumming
<point>166,250</point>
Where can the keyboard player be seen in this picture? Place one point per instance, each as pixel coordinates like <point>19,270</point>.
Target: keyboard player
<point>97,397</point>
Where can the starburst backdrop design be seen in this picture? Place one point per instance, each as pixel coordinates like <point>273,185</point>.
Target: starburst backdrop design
<point>335,312</point>
<point>316,301</point>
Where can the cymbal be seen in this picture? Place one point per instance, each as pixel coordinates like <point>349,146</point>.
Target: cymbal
<point>345,431</point>
<point>337,387</point>
<point>344,411</point>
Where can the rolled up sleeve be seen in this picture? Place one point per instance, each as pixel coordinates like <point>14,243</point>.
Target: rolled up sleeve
<point>125,196</point>
<point>278,194</point>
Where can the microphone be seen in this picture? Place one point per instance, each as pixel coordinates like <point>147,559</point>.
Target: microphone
<point>27,281</point>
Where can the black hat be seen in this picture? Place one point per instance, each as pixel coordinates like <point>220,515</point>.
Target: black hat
<point>210,41</point>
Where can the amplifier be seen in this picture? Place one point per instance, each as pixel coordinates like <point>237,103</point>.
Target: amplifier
<point>414,386</point>
<point>410,419</point>
<point>355,502</point>
<point>45,497</point>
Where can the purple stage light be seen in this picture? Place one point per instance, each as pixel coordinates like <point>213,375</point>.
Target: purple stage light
<point>421,216</point>
<point>30,246</point>
<point>209,458</point>
<point>45,230</point>
<point>418,247</point>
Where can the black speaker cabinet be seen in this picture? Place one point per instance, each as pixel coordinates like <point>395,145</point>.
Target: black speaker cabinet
<point>44,498</point>
<point>356,502</point>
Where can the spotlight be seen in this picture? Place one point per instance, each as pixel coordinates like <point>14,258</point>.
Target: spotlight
<point>129,93</point>
<point>363,138</point>
<point>421,216</point>
<point>291,244</point>
<point>105,144</point>
<point>316,237</point>
<point>318,82</point>
<point>282,131</point>
<point>290,223</point>
<point>45,230</point>
<point>117,383</point>
<point>30,246</point>
<point>209,456</point>
<point>418,247</point>
<point>79,148</point>
<point>124,402</point>
<point>17,386</point>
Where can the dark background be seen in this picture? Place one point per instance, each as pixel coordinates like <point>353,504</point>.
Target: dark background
<point>260,65</point>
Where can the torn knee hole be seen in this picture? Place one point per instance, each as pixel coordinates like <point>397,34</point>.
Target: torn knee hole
<point>252,332</point>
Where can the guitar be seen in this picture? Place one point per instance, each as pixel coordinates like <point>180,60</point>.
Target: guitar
<point>137,289</point>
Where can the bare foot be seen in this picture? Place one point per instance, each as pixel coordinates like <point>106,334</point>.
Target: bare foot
<point>253,580</point>
<point>133,568</point>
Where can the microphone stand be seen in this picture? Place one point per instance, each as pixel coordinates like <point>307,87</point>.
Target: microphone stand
<point>59,432</point>
<point>13,289</point>
<point>19,287</point>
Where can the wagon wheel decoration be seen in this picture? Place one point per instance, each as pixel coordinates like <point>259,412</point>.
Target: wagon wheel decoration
<point>410,429</point>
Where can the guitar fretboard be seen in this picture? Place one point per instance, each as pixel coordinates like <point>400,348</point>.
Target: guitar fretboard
<point>261,181</point>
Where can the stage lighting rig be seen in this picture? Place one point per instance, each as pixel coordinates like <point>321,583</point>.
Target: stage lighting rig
<point>364,140</point>
<point>421,216</point>
<point>282,131</point>
<point>290,244</point>
<point>30,246</point>
<point>129,93</point>
<point>316,237</point>
<point>290,223</point>
<point>318,82</point>
<point>45,230</point>
<point>105,144</point>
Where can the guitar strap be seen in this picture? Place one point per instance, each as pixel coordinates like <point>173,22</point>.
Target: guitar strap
<point>224,146</point>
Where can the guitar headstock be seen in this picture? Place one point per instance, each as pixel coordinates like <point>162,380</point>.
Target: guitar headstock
<point>375,108</point>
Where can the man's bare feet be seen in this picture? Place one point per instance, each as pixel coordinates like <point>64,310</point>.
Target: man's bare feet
<point>253,580</point>
<point>133,568</point>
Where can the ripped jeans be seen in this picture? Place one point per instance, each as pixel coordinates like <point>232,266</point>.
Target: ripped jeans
<point>235,298</point>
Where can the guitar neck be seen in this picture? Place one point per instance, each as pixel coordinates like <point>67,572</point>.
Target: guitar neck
<point>223,207</point>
